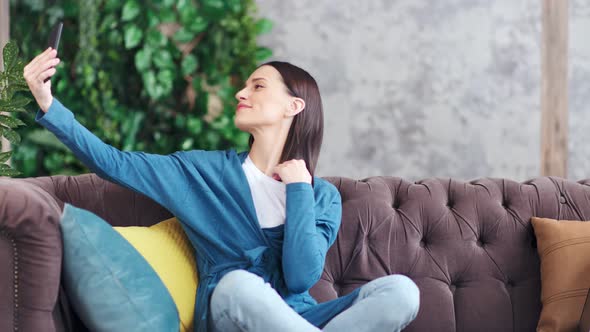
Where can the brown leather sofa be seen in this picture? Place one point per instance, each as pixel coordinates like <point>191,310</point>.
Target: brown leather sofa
<point>469,246</point>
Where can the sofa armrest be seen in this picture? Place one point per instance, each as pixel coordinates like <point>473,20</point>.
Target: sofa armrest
<point>115,204</point>
<point>30,257</point>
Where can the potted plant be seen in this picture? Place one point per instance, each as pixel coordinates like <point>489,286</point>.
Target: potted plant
<point>11,81</point>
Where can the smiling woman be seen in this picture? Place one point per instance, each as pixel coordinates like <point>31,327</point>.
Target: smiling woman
<point>250,260</point>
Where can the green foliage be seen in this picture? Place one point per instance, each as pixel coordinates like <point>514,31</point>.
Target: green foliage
<point>11,81</point>
<point>154,76</point>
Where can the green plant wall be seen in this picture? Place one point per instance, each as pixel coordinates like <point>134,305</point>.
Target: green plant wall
<point>153,76</point>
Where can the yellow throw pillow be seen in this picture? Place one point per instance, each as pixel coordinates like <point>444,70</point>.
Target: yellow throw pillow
<point>168,250</point>
<point>563,247</point>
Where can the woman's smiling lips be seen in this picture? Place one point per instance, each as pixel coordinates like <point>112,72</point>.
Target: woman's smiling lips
<point>240,106</point>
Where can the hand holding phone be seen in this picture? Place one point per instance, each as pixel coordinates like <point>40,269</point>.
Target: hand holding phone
<point>38,72</point>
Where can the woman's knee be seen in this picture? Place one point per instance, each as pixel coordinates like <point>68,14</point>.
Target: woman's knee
<point>401,289</point>
<point>408,292</point>
<point>235,286</point>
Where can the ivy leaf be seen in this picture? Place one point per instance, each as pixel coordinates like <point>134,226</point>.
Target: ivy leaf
<point>130,10</point>
<point>183,35</point>
<point>149,79</point>
<point>234,5</point>
<point>4,156</point>
<point>165,79</point>
<point>188,143</point>
<point>213,8</point>
<point>133,36</point>
<point>181,5</point>
<point>263,26</point>
<point>166,76</point>
<point>187,14</point>
<point>155,38</point>
<point>143,59</point>
<point>195,125</point>
<point>152,18</point>
<point>163,59</point>
<point>167,15</point>
<point>198,24</point>
<point>189,64</point>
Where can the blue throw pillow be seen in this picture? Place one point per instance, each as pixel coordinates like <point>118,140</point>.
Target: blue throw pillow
<point>111,286</point>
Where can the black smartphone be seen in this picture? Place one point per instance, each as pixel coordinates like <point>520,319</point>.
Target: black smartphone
<point>54,37</point>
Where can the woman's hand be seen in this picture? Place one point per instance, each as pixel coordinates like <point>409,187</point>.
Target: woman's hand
<point>35,73</point>
<point>290,171</point>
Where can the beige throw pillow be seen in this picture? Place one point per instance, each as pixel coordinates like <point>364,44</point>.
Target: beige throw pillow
<point>564,250</point>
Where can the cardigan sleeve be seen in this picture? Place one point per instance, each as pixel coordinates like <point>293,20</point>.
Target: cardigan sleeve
<point>156,176</point>
<point>308,236</point>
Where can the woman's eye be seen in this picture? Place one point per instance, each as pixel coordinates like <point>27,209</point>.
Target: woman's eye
<point>258,86</point>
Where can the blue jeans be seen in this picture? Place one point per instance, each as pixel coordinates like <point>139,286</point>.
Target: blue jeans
<point>242,301</point>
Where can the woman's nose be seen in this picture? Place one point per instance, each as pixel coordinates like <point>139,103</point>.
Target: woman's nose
<point>240,95</point>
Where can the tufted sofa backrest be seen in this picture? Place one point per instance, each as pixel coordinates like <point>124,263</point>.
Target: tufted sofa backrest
<point>469,246</point>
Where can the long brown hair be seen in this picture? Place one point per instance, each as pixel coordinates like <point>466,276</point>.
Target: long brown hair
<point>304,140</point>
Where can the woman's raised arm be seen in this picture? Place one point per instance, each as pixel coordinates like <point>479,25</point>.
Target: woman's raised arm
<point>160,177</point>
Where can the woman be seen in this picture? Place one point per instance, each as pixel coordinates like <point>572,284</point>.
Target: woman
<point>259,220</point>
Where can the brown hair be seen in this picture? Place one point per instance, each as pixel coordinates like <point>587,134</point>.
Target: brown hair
<point>304,139</point>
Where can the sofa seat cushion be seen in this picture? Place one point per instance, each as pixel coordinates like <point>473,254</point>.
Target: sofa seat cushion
<point>564,250</point>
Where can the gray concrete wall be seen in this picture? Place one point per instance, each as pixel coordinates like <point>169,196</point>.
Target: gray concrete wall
<point>579,90</point>
<point>418,88</point>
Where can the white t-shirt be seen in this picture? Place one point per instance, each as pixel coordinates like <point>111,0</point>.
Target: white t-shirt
<point>269,195</point>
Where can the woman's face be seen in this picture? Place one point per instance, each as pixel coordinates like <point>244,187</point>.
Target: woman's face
<point>264,100</point>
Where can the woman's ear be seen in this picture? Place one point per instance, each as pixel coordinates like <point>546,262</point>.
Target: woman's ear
<point>297,105</point>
